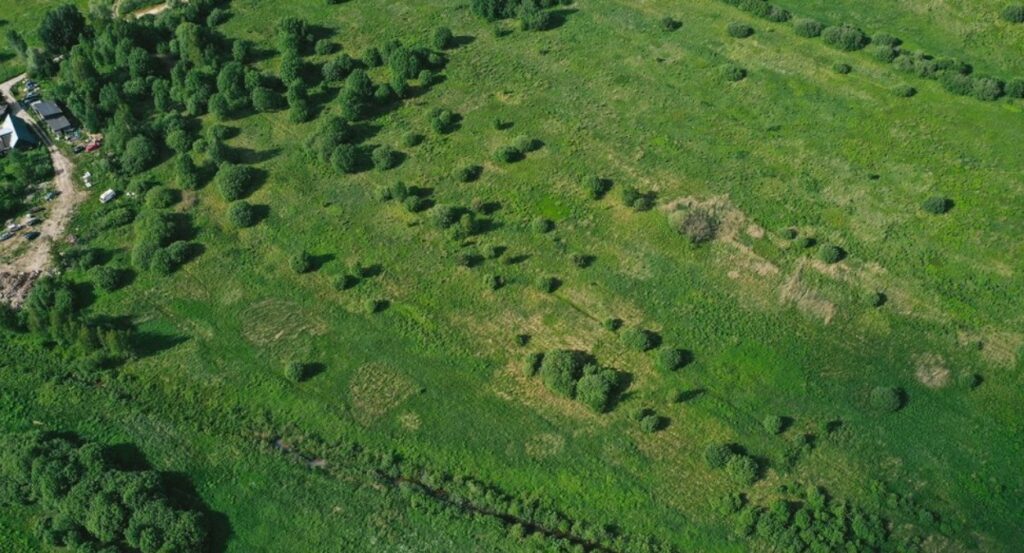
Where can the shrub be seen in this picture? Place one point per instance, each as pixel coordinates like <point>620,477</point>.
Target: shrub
<point>937,205</point>
<point>987,89</point>
<point>808,28</point>
<point>957,83</point>
<point>739,30</point>
<point>376,305</point>
<point>805,242</point>
<point>532,363</point>
<point>742,469</point>
<point>970,380</point>
<point>1014,13</point>
<point>560,369</point>
<point>773,424</point>
<point>777,14</point>
<point>526,144</point>
<point>344,158</point>
<point>548,284</point>
<point>596,187</point>
<point>533,18</point>
<point>107,279</point>
<point>384,158</point>
<point>698,225</point>
<point>1015,88</point>
<point>295,371</point>
<point>831,254</point>
<point>613,324</point>
<point>469,173</point>
<point>160,197</point>
<point>651,423</point>
<point>541,225</point>
<point>639,339</point>
<point>885,39</point>
<point>670,359</point>
<point>669,24</point>
<point>373,58</point>
<point>788,233</point>
<point>507,154</point>
<point>717,455</point>
<point>412,139</point>
<point>242,214</point>
<point>345,282</point>
<point>595,389</point>
<point>876,299</point>
<point>442,38</point>
<point>844,37</point>
<point>904,91</point>
<point>883,53</point>
<point>842,68</point>
<point>301,262</point>
<point>234,181</point>
<point>886,398</point>
<point>732,73</point>
<point>494,282</point>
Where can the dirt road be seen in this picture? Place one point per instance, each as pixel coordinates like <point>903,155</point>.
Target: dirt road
<point>35,260</point>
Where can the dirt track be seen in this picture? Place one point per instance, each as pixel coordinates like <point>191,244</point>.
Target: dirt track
<point>35,260</point>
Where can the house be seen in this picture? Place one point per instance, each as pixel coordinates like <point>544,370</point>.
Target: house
<point>14,133</point>
<point>53,116</point>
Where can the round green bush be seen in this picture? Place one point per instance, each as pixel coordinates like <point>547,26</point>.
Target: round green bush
<point>669,24</point>
<point>876,299</point>
<point>412,139</point>
<point>1015,88</point>
<point>526,144</point>
<point>807,28</point>
<point>469,173</point>
<point>1014,13</point>
<point>831,254</point>
<point>670,359</point>
<point>844,37</point>
<point>638,339</point>
<point>541,225</point>
<point>107,279</point>
<point>295,371</point>
<point>788,233</point>
<point>886,398</point>
<point>301,262</point>
<point>739,30</point>
<point>548,284</point>
<point>651,423</point>
<point>987,89</point>
<point>242,214</point>
<point>442,38</point>
<point>773,424</point>
<point>384,158</point>
<point>717,455</point>
<point>904,91</point>
<point>886,39</point>
<point>160,197</point>
<point>937,205</point>
<point>805,242</point>
<point>595,390</point>
<point>742,469</point>
<point>234,181</point>
<point>733,73</point>
<point>842,68</point>
<point>507,154</point>
<point>883,53</point>
<point>560,369</point>
<point>595,186</point>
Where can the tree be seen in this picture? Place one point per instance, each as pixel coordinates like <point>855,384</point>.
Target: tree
<point>295,371</point>
<point>670,359</point>
<point>739,30</point>
<point>886,398</point>
<point>301,262</point>
<point>139,154</point>
<point>61,29</point>
<point>234,181</point>
<point>638,339</point>
<point>596,187</point>
<point>595,389</point>
<point>773,424</point>
<point>403,63</point>
<point>384,158</point>
<point>831,254</point>
<point>443,38</point>
<point>937,205</point>
<point>344,158</point>
<point>242,214</point>
<point>533,18</point>
<point>844,37</point>
<point>807,28</point>
<point>560,370</point>
<point>717,455</point>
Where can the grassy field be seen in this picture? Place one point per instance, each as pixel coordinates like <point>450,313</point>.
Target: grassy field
<point>437,375</point>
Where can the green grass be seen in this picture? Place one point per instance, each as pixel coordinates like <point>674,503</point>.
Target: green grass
<point>437,375</point>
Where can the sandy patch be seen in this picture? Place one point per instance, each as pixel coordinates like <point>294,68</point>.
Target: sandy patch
<point>930,369</point>
<point>274,320</point>
<point>375,389</point>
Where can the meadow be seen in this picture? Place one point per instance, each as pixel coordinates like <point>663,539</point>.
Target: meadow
<point>422,356</point>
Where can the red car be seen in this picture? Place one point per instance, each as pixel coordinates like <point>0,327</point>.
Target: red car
<point>93,146</point>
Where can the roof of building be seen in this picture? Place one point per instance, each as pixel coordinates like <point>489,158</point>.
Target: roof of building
<point>12,132</point>
<point>47,109</point>
<point>59,124</point>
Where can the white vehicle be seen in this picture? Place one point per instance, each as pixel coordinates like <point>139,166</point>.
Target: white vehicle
<point>107,196</point>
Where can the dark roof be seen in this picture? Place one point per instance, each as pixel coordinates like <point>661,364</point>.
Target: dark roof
<point>47,109</point>
<point>58,124</point>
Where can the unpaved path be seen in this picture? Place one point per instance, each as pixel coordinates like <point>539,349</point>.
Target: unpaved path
<point>35,260</point>
<point>152,10</point>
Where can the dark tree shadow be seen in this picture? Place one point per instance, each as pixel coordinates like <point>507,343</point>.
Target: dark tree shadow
<point>314,369</point>
<point>517,259</point>
<point>318,261</point>
<point>559,17</point>
<point>248,156</point>
<point>462,40</point>
<point>182,494</point>
<point>83,294</point>
<point>261,212</point>
<point>147,344</point>
<point>690,395</point>
<point>126,457</point>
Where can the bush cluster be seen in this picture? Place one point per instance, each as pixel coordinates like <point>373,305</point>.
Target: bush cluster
<point>937,205</point>
<point>739,30</point>
<point>844,37</point>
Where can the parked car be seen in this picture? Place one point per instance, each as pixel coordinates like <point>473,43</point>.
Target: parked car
<point>51,195</point>
<point>78,149</point>
<point>33,221</point>
<point>93,146</point>
<point>6,236</point>
<point>31,235</point>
